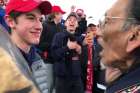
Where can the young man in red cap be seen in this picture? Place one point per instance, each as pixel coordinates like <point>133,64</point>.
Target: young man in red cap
<point>14,70</point>
<point>82,22</point>
<point>51,26</point>
<point>24,17</point>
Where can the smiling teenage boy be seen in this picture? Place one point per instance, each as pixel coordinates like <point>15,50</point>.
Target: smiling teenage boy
<point>24,17</point>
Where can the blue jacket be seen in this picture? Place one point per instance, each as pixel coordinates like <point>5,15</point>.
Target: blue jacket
<point>127,83</point>
<point>39,70</point>
<point>62,55</point>
<point>49,30</point>
<point>2,20</point>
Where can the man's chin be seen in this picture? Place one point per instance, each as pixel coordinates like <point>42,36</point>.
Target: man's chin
<point>104,62</point>
<point>71,31</point>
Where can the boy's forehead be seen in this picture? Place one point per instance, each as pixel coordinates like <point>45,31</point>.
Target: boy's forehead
<point>34,13</point>
<point>72,17</point>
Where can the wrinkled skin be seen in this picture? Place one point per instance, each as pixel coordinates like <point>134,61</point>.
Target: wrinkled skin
<point>116,42</point>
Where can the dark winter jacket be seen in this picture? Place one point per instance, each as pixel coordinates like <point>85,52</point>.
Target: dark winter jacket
<point>127,83</point>
<point>82,27</point>
<point>64,65</point>
<point>49,30</point>
<point>98,74</point>
<point>38,70</point>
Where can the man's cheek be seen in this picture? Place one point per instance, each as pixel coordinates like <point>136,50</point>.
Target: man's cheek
<point>108,57</point>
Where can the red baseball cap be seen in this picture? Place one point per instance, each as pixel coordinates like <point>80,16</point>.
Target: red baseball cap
<point>28,5</point>
<point>57,9</point>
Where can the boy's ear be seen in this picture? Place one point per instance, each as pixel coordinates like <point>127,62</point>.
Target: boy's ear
<point>134,40</point>
<point>10,21</point>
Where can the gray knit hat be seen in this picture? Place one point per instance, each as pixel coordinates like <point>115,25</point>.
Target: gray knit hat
<point>73,14</point>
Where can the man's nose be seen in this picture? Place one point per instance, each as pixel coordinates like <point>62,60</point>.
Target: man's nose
<point>99,31</point>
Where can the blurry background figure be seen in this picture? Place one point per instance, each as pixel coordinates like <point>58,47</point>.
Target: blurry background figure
<point>51,26</point>
<point>2,14</point>
<point>82,22</point>
<point>98,74</point>
<point>59,15</point>
<point>73,8</point>
<point>89,70</point>
<point>66,48</point>
<point>80,12</point>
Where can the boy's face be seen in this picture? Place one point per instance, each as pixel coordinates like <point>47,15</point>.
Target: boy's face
<point>93,29</point>
<point>58,16</point>
<point>71,24</point>
<point>28,27</point>
<point>80,12</point>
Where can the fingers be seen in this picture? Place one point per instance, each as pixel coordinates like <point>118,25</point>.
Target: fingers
<point>78,49</point>
<point>89,38</point>
<point>71,44</point>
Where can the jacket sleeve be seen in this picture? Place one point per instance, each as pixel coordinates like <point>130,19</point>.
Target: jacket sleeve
<point>82,26</point>
<point>44,44</point>
<point>59,50</point>
<point>80,39</point>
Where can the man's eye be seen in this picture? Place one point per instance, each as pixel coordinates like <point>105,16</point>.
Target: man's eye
<point>106,20</point>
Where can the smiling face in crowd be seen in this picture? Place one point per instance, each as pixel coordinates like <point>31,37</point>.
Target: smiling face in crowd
<point>27,28</point>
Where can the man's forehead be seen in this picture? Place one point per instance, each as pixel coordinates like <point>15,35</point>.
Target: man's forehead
<point>119,8</point>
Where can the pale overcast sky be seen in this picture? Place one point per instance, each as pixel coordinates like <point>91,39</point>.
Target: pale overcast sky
<point>94,8</point>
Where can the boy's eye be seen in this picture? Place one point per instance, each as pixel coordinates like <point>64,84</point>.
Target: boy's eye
<point>34,18</point>
<point>31,18</point>
<point>41,19</point>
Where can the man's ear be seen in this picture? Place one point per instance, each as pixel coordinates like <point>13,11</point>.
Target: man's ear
<point>134,40</point>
